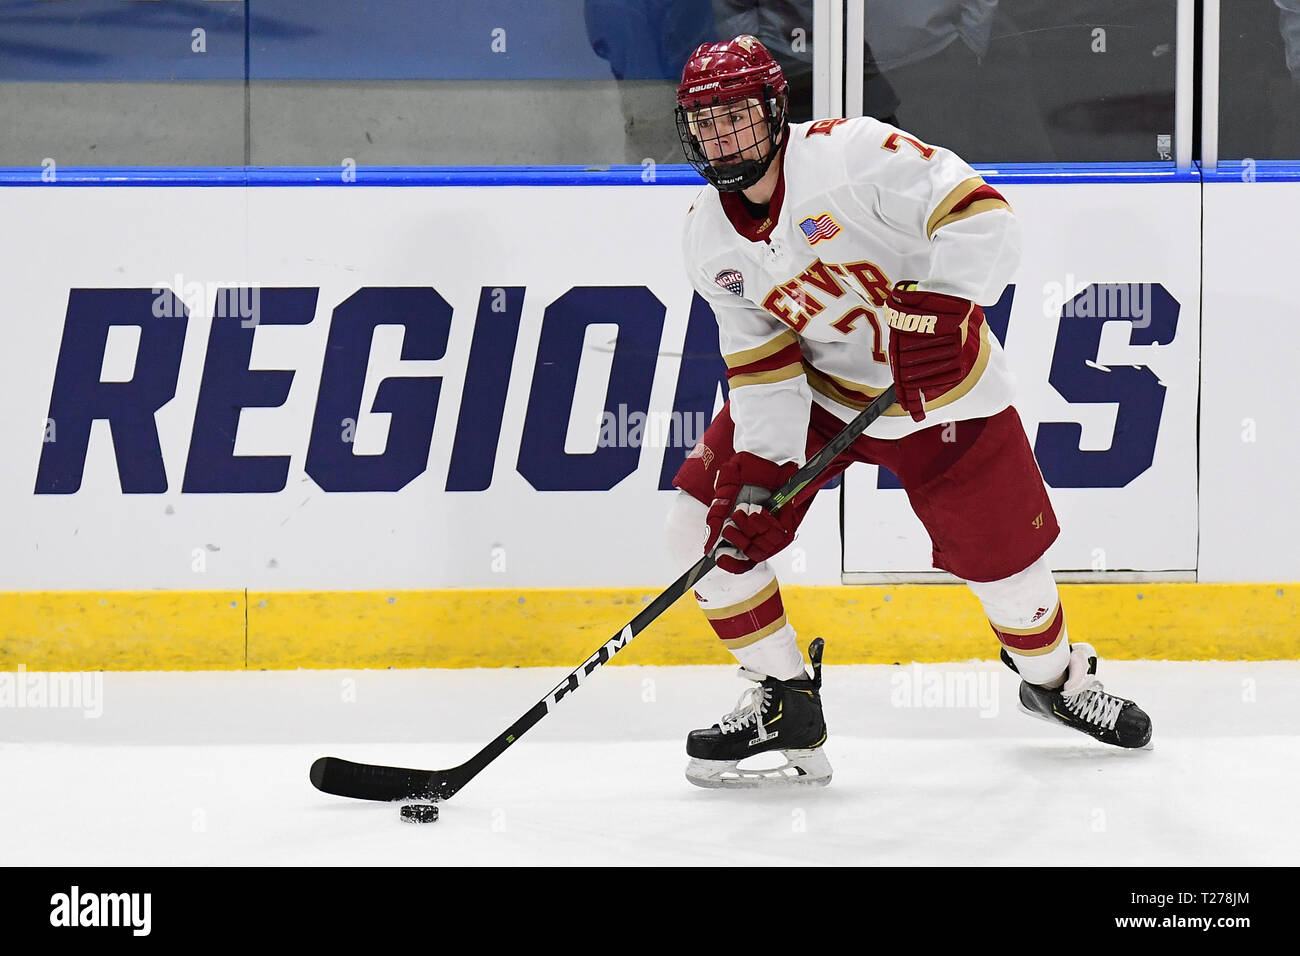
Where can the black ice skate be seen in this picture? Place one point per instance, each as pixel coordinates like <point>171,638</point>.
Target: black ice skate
<point>774,715</point>
<point>1083,705</point>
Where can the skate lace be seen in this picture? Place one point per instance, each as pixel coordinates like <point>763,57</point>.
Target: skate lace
<point>1095,706</point>
<point>748,710</point>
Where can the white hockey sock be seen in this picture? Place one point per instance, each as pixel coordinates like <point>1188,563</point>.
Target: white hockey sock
<point>745,610</point>
<point>1026,614</point>
<point>776,655</point>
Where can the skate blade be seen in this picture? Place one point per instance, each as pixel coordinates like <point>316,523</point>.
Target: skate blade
<point>1149,745</point>
<point>802,768</point>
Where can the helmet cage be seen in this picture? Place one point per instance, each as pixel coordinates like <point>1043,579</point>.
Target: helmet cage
<point>735,176</point>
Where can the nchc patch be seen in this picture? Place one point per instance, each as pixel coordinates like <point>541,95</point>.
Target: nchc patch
<point>731,280</point>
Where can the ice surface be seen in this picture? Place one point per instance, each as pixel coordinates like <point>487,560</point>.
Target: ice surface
<point>211,768</point>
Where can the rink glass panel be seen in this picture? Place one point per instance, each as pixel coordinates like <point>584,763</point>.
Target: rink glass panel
<point>497,82</point>
<point>1028,80</point>
<point>385,82</point>
<point>1259,79</point>
<point>108,83</point>
<point>448,83</point>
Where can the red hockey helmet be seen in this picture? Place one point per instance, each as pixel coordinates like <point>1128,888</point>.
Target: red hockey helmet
<point>726,147</point>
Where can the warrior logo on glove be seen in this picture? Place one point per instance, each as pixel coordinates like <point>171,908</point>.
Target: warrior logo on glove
<point>912,323</point>
<point>933,344</point>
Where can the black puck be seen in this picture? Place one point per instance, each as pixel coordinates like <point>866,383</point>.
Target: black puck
<point>419,813</point>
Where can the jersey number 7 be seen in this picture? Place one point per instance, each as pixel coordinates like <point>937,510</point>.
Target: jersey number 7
<point>892,140</point>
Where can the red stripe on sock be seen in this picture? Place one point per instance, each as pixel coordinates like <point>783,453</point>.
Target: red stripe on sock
<point>747,622</point>
<point>1033,642</point>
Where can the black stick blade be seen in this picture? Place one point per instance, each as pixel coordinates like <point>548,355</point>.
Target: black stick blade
<point>363,781</point>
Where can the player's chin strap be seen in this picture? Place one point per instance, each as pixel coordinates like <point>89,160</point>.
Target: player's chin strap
<point>751,171</point>
<point>365,781</point>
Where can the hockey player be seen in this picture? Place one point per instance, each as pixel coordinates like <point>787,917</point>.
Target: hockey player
<point>840,256</point>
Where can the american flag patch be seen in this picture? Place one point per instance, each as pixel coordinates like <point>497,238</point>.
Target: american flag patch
<point>731,280</point>
<point>819,228</point>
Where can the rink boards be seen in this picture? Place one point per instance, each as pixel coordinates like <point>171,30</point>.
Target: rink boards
<point>285,426</point>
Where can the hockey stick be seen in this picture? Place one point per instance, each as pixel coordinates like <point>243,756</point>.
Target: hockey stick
<point>365,781</point>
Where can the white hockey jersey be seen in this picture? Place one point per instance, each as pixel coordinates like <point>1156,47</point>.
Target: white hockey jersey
<point>799,297</point>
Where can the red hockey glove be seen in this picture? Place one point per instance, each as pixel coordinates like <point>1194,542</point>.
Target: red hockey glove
<point>929,334</point>
<point>743,487</point>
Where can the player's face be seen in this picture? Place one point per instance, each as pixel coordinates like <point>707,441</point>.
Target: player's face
<point>732,132</point>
